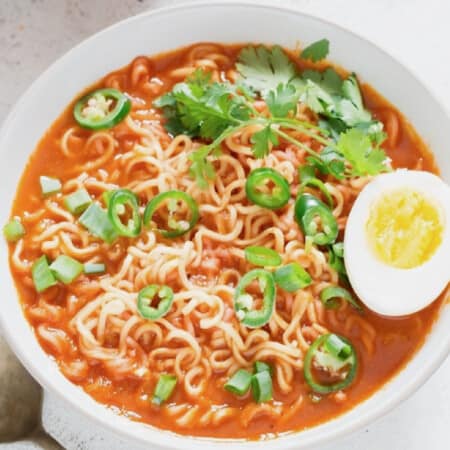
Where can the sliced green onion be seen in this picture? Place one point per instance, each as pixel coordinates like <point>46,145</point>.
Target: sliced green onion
<point>262,366</point>
<point>174,227</point>
<point>164,388</point>
<point>78,201</point>
<point>262,386</point>
<point>334,354</point>
<point>337,347</point>
<point>239,383</point>
<point>43,277</point>
<point>116,207</point>
<point>13,230</point>
<point>292,277</point>
<point>331,294</point>
<point>49,185</point>
<point>94,268</point>
<point>146,296</point>
<point>66,269</point>
<point>93,110</point>
<point>338,249</point>
<point>262,256</point>
<point>96,220</point>
<point>243,302</point>
<point>260,181</point>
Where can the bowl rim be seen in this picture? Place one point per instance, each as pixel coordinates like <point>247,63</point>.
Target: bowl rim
<point>178,440</point>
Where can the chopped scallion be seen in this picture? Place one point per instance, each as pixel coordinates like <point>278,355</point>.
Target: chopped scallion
<point>262,386</point>
<point>337,347</point>
<point>239,383</point>
<point>292,277</point>
<point>13,231</point>
<point>78,201</point>
<point>262,256</point>
<point>96,220</point>
<point>43,277</point>
<point>94,268</point>
<point>66,269</point>
<point>164,388</point>
<point>49,185</point>
<point>262,366</point>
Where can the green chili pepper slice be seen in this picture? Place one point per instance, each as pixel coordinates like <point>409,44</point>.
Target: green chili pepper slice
<point>330,297</point>
<point>145,297</point>
<point>307,209</point>
<point>267,188</point>
<point>243,302</point>
<point>334,355</point>
<point>174,225</point>
<point>101,109</point>
<point>307,177</point>
<point>262,256</point>
<point>117,204</point>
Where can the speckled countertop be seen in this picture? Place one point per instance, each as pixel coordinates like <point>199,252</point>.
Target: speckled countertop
<point>33,33</point>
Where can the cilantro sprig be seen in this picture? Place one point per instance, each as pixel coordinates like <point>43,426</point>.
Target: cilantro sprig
<point>316,51</point>
<point>213,111</point>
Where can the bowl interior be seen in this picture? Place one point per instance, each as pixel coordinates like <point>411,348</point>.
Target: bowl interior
<point>167,29</point>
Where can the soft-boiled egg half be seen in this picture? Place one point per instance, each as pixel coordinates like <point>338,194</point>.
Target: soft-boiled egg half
<point>397,242</point>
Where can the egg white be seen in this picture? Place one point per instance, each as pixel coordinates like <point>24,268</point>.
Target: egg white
<point>385,289</point>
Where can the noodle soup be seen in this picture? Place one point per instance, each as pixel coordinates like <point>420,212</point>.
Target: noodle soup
<point>163,254</point>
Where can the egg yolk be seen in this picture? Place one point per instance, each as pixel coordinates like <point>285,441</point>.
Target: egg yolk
<point>404,228</point>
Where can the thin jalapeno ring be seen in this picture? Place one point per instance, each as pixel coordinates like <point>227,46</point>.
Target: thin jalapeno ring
<point>146,296</point>
<point>307,209</point>
<point>175,226</point>
<point>261,181</point>
<point>243,302</point>
<point>94,112</point>
<point>117,206</point>
<point>335,355</point>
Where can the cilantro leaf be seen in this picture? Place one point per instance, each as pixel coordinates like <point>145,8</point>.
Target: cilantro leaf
<point>356,147</point>
<point>200,108</point>
<point>265,69</point>
<point>329,162</point>
<point>261,141</point>
<point>316,51</point>
<point>283,100</point>
<point>201,169</point>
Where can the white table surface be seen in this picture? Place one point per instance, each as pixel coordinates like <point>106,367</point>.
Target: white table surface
<point>33,33</point>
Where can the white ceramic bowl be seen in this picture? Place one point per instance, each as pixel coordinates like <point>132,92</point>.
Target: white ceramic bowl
<point>158,31</point>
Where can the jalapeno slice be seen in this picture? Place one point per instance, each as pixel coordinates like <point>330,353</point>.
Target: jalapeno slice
<point>307,209</point>
<point>146,296</point>
<point>117,207</point>
<point>101,109</point>
<point>267,188</point>
<point>174,225</point>
<point>243,301</point>
<point>332,355</point>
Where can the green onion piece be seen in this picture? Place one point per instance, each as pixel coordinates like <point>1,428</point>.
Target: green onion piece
<point>262,386</point>
<point>49,185</point>
<point>262,256</point>
<point>330,297</point>
<point>117,206</point>
<point>239,383</point>
<point>338,249</point>
<point>78,201</point>
<point>66,269</point>
<point>262,366</point>
<point>337,347</point>
<point>43,277</point>
<point>13,231</point>
<point>94,268</point>
<point>146,296</point>
<point>292,277</point>
<point>96,220</point>
<point>164,388</point>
